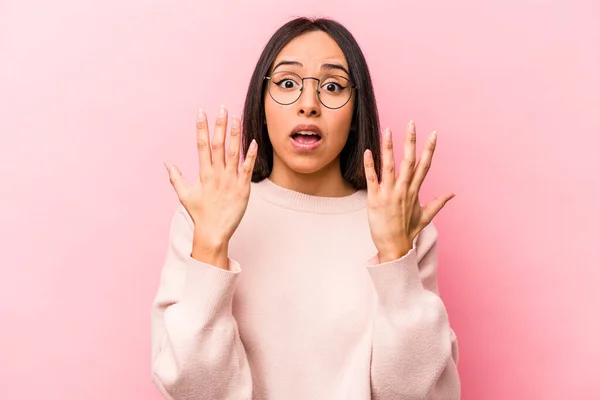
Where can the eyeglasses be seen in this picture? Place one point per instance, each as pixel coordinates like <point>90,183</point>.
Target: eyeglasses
<point>333,91</point>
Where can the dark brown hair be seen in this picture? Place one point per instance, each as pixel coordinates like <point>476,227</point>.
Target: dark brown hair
<point>364,133</point>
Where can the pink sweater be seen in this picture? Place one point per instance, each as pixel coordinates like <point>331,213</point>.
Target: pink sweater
<point>305,311</point>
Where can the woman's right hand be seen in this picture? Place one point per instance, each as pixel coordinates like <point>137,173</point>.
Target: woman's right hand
<point>218,200</point>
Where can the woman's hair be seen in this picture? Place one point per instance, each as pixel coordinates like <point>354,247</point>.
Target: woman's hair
<point>364,131</point>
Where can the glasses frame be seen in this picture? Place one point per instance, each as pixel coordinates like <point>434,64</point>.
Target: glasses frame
<point>353,88</point>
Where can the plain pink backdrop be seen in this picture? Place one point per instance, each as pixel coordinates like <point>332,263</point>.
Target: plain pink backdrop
<point>95,94</point>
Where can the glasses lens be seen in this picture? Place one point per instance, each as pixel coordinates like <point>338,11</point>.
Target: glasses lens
<point>285,87</point>
<point>335,91</point>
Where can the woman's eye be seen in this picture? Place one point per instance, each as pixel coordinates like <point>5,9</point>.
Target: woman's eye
<point>286,83</point>
<point>333,87</point>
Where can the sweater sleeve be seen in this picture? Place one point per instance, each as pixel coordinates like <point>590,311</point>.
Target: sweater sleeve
<point>196,349</point>
<point>414,350</point>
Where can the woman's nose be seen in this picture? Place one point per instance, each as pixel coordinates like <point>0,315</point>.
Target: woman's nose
<point>309,103</point>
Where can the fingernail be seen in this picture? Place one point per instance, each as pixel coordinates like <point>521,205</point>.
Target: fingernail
<point>222,111</point>
<point>434,135</point>
<point>200,117</point>
<point>411,125</point>
<point>167,165</point>
<point>253,145</point>
<point>388,133</point>
<point>369,155</point>
<point>235,122</point>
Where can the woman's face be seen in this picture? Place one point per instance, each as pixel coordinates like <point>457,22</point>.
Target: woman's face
<point>308,137</point>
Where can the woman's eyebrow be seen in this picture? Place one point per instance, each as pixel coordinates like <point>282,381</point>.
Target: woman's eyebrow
<point>330,66</point>
<point>326,66</point>
<point>286,62</point>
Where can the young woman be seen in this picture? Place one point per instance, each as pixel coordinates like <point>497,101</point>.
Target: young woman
<point>308,272</point>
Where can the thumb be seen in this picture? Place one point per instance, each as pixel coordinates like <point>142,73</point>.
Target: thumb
<point>435,206</point>
<point>177,180</point>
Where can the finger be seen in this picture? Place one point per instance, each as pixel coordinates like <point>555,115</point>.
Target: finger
<point>233,151</point>
<point>388,175</point>
<point>217,146</point>
<point>370,174</point>
<point>423,165</point>
<point>408,162</point>
<point>248,165</point>
<point>203,141</point>
<point>176,179</point>
<point>434,206</point>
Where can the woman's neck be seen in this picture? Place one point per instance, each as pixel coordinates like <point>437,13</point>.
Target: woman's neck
<point>327,182</point>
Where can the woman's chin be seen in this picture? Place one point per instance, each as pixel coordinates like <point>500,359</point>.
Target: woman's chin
<point>306,165</point>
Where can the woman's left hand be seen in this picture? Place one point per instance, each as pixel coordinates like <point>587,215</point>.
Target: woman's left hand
<point>395,214</point>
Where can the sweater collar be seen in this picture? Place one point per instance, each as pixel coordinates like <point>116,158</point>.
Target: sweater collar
<point>299,201</point>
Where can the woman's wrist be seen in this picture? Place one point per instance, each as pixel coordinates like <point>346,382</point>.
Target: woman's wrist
<point>394,251</point>
<point>211,251</point>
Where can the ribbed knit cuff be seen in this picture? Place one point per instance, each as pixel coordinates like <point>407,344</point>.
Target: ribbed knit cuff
<point>397,280</point>
<point>208,291</point>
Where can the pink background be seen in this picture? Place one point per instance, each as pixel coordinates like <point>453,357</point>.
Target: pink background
<point>95,94</point>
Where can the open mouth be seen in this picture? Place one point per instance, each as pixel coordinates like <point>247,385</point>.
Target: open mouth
<point>306,137</point>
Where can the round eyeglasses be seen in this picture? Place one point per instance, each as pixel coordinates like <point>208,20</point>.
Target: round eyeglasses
<point>333,91</point>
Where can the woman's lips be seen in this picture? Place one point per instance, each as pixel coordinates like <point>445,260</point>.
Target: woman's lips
<point>305,142</point>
